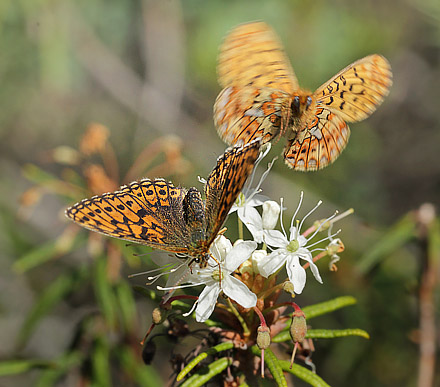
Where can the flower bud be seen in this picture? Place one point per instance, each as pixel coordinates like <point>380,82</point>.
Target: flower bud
<point>159,315</point>
<point>271,211</point>
<point>298,328</point>
<point>288,287</point>
<point>257,257</point>
<point>263,337</point>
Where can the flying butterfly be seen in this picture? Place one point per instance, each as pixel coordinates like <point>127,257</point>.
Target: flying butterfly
<point>261,97</point>
<point>160,215</point>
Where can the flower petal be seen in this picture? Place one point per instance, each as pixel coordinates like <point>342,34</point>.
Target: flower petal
<point>252,220</point>
<point>239,292</point>
<point>207,301</point>
<point>275,238</point>
<point>238,254</point>
<point>221,247</point>
<point>272,263</point>
<point>296,273</point>
<point>271,212</point>
<point>305,254</point>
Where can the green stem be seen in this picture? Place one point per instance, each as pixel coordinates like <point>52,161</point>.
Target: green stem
<point>240,228</point>
<point>246,331</point>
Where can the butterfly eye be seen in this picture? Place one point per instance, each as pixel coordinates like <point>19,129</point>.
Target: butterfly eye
<point>309,101</point>
<point>296,102</point>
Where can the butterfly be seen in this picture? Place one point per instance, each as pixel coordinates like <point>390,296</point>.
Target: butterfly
<point>261,97</point>
<point>160,215</point>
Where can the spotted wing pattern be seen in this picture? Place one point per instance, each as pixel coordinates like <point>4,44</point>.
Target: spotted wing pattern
<point>250,112</point>
<point>148,212</point>
<point>225,183</point>
<point>319,144</point>
<point>356,91</point>
<point>158,214</point>
<point>351,95</point>
<point>258,79</point>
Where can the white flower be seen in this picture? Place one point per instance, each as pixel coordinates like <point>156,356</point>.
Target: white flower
<point>229,258</point>
<point>250,198</point>
<point>289,249</point>
<point>257,223</point>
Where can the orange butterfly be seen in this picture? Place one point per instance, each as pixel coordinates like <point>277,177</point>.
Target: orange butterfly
<point>262,98</point>
<point>158,214</point>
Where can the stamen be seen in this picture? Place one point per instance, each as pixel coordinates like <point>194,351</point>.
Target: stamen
<point>191,310</point>
<point>151,271</point>
<point>317,249</point>
<point>155,278</point>
<point>281,218</point>
<point>343,215</point>
<point>179,286</point>
<point>321,225</point>
<point>325,239</point>
<point>263,177</point>
<point>297,208</point>
<point>310,212</point>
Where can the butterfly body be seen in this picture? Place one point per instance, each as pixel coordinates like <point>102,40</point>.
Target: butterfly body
<point>160,215</point>
<point>261,97</point>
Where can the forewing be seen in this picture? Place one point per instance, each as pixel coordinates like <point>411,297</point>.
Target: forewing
<point>319,143</point>
<point>225,183</point>
<point>147,212</point>
<point>248,113</point>
<point>252,55</point>
<point>356,91</point>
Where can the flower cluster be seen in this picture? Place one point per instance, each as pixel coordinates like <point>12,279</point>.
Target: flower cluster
<point>224,272</point>
<point>249,273</point>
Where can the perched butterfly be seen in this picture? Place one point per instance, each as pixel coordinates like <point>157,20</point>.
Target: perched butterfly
<point>158,214</point>
<point>262,98</point>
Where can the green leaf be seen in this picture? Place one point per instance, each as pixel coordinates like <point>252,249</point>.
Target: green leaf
<point>50,376</point>
<point>322,334</point>
<point>434,243</point>
<point>136,369</point>
<point>207,373</point>
<point>332,333</point>
<point>328,306</point>
<point>101,363</point>
<point>303,374</point>
<point>35,257</point>
<point>38,175</point>
<point>212,351</point>
<point>151,294</point>
<point>397,235</point>
<point>273,364</point>
<point>104,292</point>
<point>127,305</point>
<point>13,367</point>
<point>51,296</point>
<point>43,253</point>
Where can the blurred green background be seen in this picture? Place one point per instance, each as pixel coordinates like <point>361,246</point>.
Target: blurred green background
<point>147,69</point>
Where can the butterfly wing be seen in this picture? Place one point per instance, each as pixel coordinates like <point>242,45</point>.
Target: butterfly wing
<point>225,183</point>
<point>319,143</point>
<point>248,113</point>
<point>149,212</point>
<point>252,55</point>
<point>351,95</point>
<point>356,91</point>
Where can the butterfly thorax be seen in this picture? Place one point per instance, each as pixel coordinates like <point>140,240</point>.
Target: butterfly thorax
<point>302,101</point>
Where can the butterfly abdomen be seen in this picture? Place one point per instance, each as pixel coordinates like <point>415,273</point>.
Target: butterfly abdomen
<point>194,215</point>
